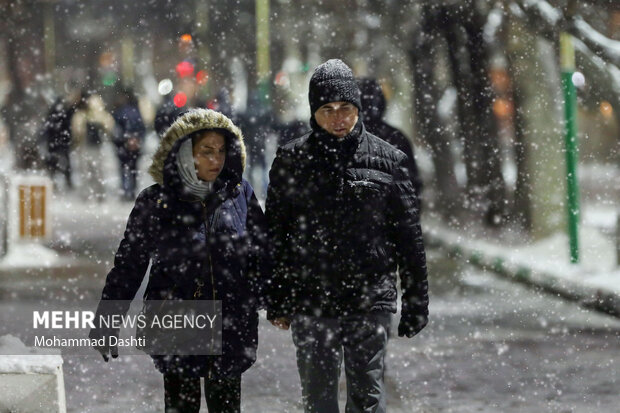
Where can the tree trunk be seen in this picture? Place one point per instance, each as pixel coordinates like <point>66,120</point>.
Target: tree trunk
<point>23,110</point>
<point>463,30</point>
<point>485,126</point>
<point>428,124</point>
<point>541,188</point>
<point>467,123</point>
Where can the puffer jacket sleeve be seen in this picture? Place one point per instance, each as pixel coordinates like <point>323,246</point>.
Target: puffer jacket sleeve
<point>256,229</point>
<point>406,235</point>
<point>132,257</point>
<point>277,212</point>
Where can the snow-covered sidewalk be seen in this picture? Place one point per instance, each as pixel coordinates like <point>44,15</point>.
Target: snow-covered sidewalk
<point>593,283</point>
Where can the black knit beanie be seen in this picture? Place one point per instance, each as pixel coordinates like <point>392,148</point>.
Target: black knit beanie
<point>333,81</point>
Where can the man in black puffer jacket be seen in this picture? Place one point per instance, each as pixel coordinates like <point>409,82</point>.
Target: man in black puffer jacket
<point>343,220</point>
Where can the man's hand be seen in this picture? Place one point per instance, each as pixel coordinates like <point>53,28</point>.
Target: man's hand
<point>410,325</point>
<point>105,350</point>
<point>281,322</point>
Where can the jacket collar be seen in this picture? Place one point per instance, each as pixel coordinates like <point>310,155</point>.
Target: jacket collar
<point>327,145</point>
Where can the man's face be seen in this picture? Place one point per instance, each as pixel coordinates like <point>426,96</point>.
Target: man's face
<point>337,118</point>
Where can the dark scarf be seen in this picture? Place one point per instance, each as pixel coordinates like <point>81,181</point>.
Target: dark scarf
<point>331,150</point>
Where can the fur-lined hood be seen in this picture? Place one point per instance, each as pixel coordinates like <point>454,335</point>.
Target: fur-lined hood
<point>192,121</point>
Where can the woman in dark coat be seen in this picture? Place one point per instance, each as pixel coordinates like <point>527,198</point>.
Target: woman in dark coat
<point>201,227</point>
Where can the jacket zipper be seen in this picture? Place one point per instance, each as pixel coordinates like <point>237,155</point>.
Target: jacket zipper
<point>214,295</point>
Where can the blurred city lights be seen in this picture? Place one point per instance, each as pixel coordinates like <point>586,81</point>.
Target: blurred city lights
<point>184,69</point>
<point>109,78</point>
<point>282,79</point>
<point>201,77</point>
<point>180,99</point>
<point>164,87</point>
<point>606,109</point>
<point>106,59</point>
<point>578,79</point>
<point>502,108</point>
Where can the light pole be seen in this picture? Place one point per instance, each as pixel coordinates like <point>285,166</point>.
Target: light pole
<point>262,48</point>
<point>567,62</point>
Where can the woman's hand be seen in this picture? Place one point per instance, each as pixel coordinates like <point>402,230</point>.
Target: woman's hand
<point>281,322</point>
<point>103,335</point>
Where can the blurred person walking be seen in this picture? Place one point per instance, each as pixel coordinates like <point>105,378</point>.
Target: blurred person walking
<point>90,126</point>
<point>128,140</point>
<point>202,230</point>
<point>56,135</point>
<point>343,222</point>
<point>258,123</point>
<point>166,113</point>
<point>373,109</point>
<point>222,103</point>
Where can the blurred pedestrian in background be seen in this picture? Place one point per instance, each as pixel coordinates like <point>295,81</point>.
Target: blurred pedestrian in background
<point>56,136</point>
<point>290,130</point>
<point>128,140</point>
<point>373,109</point>
<point>166,113</point>
<point>222,103</point>
<point>90,126</point>
<point>258,125</point>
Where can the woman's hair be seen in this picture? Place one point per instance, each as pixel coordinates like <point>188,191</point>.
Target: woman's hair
<point>195,136</point>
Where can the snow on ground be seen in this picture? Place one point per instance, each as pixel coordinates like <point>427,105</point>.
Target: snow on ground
<point>597,267</point>
<point>600,216</point>
<point>597,253</point>
<point>21,256</point>
<point>15,357</point>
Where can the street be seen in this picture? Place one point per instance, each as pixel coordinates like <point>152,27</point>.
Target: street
<point>495,126</point>
<point>491,346</point>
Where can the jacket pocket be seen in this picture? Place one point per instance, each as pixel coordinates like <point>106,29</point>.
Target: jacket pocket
<point>366,198</point>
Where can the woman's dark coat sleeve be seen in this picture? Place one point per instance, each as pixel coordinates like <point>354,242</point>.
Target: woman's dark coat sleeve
<point>132,257</point>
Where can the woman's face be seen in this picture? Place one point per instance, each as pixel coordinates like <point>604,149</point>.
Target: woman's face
<point>209,155</point>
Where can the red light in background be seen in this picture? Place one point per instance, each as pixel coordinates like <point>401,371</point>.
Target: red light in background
<point>180,99</point>
<point>185,69</point>
<point>282,79</point>
<point>201,77</point>
<point>186,38</point>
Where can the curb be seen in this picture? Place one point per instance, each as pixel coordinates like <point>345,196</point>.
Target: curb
<point>593,298</point>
